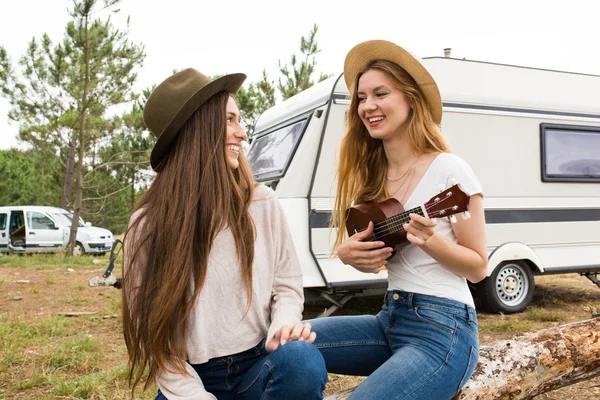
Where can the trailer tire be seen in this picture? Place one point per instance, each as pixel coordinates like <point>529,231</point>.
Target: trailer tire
<point>509,289</point>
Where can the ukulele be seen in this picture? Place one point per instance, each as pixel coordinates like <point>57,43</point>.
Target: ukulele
<point>389,215</point>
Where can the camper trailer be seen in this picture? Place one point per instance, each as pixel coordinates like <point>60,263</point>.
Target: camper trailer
<point>532,136</point>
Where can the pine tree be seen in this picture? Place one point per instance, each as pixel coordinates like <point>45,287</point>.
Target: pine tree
<point>298,77</point>
<point>68,89</point>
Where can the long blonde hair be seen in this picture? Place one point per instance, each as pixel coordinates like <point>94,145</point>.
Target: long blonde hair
<point>194,195</point>
<point>363,164</point>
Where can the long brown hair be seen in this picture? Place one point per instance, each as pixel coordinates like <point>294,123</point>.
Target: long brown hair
<point>363,164</point>
<point>194,196</point>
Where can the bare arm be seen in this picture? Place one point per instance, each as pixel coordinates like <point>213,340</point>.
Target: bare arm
<point>468,257</point>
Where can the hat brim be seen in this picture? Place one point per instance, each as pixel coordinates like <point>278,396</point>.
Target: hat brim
<point>364,53</point>
<point>227,83</point>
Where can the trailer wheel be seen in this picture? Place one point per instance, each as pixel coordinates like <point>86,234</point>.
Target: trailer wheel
<point>509,289</point>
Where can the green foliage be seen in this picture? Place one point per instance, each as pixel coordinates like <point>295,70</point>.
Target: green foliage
<point>59,95</point>
<point>28,179</point>
<point>255,100</point>
<point>260,96</point>
<point>298,76</point>
<point>125,172</point>
<point>61,103</point>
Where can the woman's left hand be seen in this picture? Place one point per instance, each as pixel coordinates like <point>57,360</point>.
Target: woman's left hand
<point>299,332</point>
<point>420,229</point>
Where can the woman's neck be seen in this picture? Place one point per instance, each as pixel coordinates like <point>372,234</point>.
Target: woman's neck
<point>399,154</point>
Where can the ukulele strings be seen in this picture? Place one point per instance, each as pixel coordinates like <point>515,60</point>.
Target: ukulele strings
<point>386,227</point>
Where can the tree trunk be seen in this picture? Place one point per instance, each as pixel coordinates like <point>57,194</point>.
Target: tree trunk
<point>68,185</point>
<point>132,190</point>
<point>536,363</point>
<point>82,128</point>
<point>532,364</point>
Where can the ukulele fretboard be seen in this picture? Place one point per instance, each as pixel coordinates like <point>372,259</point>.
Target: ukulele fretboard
<point>394,223</point>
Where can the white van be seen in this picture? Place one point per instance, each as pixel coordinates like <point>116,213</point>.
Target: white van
<point>37,229</point>
<point>531,135</point>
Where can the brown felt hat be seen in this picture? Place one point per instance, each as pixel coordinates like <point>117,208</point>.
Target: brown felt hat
<point>363,53</point>
<point>175,100</point>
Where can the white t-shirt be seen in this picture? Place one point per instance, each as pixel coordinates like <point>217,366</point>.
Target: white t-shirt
<point>413,270</point>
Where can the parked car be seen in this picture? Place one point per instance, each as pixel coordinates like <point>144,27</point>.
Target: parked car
<point>40,229</point>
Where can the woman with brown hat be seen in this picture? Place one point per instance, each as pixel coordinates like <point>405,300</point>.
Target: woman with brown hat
<point>423,344</point>
<point>213,295</point>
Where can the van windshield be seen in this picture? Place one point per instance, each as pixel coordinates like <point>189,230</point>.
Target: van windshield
<point>270,154</point>
<point>66,219</point>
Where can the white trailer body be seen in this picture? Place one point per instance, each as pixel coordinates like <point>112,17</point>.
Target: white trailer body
<point>532,136</point>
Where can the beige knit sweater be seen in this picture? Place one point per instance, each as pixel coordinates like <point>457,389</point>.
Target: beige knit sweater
<point>217,326</point>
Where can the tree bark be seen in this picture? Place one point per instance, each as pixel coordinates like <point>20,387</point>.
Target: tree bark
<point>132,190</point>
<point>536,363</point>
<point>532,364</point>
<point>68,185</point>
<point>81,143</point>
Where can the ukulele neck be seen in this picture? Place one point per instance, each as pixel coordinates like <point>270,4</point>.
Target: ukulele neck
<point>395,222</point>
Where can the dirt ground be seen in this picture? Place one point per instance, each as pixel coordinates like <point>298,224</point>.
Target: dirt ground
<point>32,294</point>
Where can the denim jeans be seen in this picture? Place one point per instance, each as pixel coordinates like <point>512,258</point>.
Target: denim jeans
<point>418,347</point>
<point>293,371</point>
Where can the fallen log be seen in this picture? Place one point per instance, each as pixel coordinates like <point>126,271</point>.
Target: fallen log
<point>531,364</point>
<point>536,363</point>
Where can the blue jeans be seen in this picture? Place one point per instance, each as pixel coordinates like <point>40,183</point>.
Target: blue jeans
<point>295,370</point>
<point>418,347</point>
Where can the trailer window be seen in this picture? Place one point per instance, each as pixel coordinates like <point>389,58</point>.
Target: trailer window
<point>270,154</point>
<point>570,153</point>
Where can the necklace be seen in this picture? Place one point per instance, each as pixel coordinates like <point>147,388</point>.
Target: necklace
<point>404,174</point>
<point>412,175</point>
<point>409,172</point>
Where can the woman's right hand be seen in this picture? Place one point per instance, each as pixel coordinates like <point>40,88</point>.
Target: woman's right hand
<point>365,256</point>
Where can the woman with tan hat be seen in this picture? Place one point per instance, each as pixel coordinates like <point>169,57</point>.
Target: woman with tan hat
<point>212,297</point>
<point>423,344</point>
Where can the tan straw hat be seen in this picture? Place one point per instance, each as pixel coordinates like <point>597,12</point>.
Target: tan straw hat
<point>175,100</point>
<point>363,53</point>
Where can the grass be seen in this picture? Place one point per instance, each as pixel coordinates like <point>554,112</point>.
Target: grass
<point>46,261</point>
<point>76,301</point>
<point>505,326</point>
<point>540,315</point>
<point>56,357</point>
<point>44,355</point>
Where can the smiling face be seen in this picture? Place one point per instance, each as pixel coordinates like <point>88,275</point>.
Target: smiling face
<point>382,107</point>
<point>235,134</point>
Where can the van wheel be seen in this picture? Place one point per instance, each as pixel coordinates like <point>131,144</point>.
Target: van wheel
<point>78,249</point>
<point>509,289</point>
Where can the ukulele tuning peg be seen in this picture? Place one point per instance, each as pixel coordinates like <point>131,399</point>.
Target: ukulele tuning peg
<point>452,219</point>
<point>466,215</point>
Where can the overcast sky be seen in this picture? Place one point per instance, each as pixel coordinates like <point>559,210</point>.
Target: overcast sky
<point>225,36</point>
